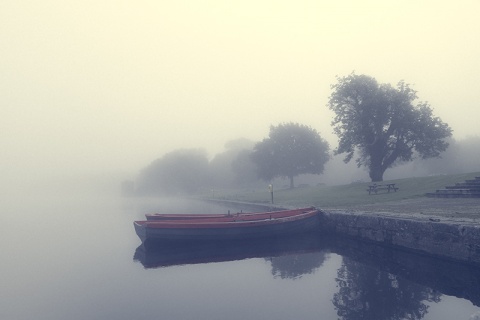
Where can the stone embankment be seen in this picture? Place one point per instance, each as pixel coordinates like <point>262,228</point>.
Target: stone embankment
<point>446,228</point>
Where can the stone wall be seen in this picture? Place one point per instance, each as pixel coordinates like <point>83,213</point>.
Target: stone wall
<point>458,240</point>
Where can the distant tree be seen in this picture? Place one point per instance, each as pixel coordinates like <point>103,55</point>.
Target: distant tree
<point>244,168</point>
<point>224,167</point>
<point>290,150</point>
<point>470,154</point>
<point>382,125</point>
<point>462,156</point>
<point>220,169</point>
<point>449,163</point>
<point>182,171</point>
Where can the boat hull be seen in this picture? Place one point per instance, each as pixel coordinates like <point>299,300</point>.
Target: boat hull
<point>197,230</point>
<point>274,214</point>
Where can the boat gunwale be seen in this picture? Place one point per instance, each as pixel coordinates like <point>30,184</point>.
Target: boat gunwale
<point>231,223</point>
<point>180,216</point>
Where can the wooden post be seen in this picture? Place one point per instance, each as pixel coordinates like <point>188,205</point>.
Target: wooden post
<point>270,187</point>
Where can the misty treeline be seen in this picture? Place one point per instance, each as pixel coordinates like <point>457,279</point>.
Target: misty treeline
<point>379,126</point>
<point>290,150</point>
<point>189,171</point>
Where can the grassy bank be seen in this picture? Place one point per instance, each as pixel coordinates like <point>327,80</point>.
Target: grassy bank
<point>345,195</point>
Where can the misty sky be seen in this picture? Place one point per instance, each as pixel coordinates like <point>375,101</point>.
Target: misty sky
<point>95,86</point>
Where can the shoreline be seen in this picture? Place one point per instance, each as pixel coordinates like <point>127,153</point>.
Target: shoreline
<point>446,228</point>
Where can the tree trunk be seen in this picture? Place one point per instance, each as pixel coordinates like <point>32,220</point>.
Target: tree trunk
<point>376,168</point>
<point>376,174</point>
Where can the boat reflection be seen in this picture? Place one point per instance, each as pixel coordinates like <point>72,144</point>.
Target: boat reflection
<point>166,254</point>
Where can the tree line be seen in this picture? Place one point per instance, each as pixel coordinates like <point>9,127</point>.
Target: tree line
<point>379,127</point>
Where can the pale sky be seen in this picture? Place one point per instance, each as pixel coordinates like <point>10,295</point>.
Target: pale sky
<point>95,86</point>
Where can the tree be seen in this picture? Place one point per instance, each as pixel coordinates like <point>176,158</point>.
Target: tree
<point>227,169</point>
<point>244,168</point>
<point>178,172</point>
<point>382,124</point>
<point>290,150</point>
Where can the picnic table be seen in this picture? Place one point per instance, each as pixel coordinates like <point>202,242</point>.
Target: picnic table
<point>382,187</point>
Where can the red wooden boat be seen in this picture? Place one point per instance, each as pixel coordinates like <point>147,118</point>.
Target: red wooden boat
<point>261,225</point>
<point>181,216</point>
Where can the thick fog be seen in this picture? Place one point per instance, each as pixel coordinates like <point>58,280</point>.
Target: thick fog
<point>95,91</point>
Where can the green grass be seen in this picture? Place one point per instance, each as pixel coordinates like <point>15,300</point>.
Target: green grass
<point>346,195</point>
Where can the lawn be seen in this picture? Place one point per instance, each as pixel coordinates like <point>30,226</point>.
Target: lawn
<point>345,195</point>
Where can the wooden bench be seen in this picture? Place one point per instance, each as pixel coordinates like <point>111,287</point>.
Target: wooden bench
<point>374,188</point>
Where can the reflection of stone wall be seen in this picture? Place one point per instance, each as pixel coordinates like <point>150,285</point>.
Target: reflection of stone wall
<point>459,240</point>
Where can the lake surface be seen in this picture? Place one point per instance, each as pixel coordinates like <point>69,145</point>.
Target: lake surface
<point>78,257</point>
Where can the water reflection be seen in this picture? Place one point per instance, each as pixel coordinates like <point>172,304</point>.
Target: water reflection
<point>294,266</point>
<point>373,282</point>
<point>376,282</point>
<point>367,293</point>
<point>447,277</point>
<point>175,253</point>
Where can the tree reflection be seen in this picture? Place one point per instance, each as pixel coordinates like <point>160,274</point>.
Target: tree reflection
<point>295,266</point>
<point>367,293</point>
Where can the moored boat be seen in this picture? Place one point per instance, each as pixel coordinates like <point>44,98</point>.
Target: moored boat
<point>232,227</point>
<point>181,216</point>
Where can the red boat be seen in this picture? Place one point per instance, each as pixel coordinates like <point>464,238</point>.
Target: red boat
<point>233,227</point>
<point>181,216</point>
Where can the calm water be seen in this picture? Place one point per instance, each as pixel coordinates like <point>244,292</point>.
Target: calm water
<point>77,257</point>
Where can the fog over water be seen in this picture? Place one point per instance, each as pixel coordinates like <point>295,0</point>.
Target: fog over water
<point>95,87</point>
<point>93,91</point>
<point>77,257</point>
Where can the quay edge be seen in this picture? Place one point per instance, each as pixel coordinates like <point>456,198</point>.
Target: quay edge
<point>433,233</point>
<point>451,239</point>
